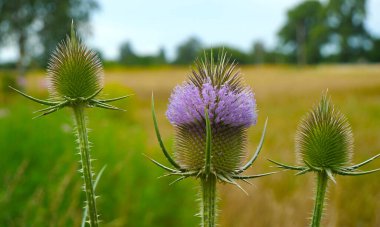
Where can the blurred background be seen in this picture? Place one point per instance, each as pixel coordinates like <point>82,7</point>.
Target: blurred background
<point>289,52</point>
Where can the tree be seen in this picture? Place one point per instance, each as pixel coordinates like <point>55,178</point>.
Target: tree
<point>62,13</point>
<point>374,53</point>
<point>345,19</point>
<point>16,19</point>
<point>258,52</point>
<point>304,32</point>
<point>30,23</point>
<point>188,51</point>
<point>128,57</point>
<point>235,54</point>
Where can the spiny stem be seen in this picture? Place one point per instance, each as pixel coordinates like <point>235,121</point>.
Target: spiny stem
<point>84,148</point>
<point>320,198</point>
<point>208,209</point>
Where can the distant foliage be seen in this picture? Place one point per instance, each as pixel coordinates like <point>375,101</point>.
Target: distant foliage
<point>36,26</point>
<point>331,31</point>
<point>188,51</point>
<point>127,56</point>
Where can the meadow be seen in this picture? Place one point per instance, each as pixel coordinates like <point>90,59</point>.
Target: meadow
<point>40,185</point>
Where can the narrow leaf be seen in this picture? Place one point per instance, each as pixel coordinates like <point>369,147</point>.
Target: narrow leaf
<point>158,135</point>
<point>94,95</point>
<point>208,144</point>
<point>85,213</point>
<point>252,176</point>
<point>362,163</point>
<point>280,165</point>
<point>160,165</point>
<point>113,99</point>
<point>330,175</point>
<point>177,180</point>
<point>48,103</point>
<point>358,173</point>
<point>258,149</point>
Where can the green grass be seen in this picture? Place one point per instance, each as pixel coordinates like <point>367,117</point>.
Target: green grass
<point>38,161</point>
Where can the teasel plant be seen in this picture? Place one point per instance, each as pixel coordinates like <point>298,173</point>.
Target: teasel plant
<point>211,113</point>
<point>324,146</point>
<point>75,77</point>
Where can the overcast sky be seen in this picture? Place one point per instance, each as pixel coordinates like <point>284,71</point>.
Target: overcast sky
<point>150,25</point>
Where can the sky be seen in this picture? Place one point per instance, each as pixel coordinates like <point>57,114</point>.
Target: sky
<point>150,25</point>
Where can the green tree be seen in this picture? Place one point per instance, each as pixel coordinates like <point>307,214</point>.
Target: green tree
<point>188,51</point>
<point>258,52</point>
<point>127,55</point>
<point>374,53</point>
<point>345,19</point>
<point>239,56</point>
<point>33,23</point>
<point>57,16</point>
<point>304,32</point>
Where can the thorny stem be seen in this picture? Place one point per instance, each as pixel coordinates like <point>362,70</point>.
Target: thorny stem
<point>320,197</point>
<point>208,208</point>
<point>84,148</point>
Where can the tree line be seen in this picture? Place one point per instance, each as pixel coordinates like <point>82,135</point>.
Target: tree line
<point>314,32</point>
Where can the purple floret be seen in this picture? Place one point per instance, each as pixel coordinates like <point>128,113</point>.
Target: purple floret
<point>226,106</point>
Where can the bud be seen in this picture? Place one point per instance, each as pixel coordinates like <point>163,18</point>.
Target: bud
<point>74,71</point>
<point>324,138</point>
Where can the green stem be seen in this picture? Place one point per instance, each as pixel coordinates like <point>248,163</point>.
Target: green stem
<point>320,198</point>
<point>208,209</point>
<point>84,148</point>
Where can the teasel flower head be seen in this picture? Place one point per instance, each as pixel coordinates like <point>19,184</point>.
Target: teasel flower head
<point>75,77</point>
<point>324,143</point>
<point>211,113</point>
<point>74,71</point>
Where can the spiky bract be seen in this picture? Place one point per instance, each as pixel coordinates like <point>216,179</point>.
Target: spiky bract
<point>324,138</point>
<point>74,71</point>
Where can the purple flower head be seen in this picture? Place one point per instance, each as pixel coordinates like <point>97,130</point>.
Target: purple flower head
<point>231,109</point>
<point>210,113</point>
<point>225,105</point>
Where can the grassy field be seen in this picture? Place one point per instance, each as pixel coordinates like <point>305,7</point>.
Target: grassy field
<point>40,185</point>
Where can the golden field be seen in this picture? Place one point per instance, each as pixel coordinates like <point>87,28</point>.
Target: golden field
<point>130,192</point>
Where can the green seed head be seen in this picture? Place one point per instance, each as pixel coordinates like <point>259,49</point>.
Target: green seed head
<point>324,138</point>
<point>74,71</point>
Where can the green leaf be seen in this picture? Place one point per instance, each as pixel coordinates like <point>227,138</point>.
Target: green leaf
<point>258,149</point>
<point>48,103</point>
<point>158,135</point>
